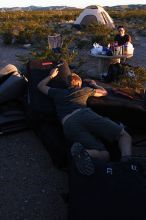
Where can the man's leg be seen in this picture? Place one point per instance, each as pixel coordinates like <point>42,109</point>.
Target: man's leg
<point>86,148</point>
<point>125,144</point>
<point>80,128</point>
<point>108,130</point>
<point>83,158</point>
<point>93,145</point>
<point>101,155</point>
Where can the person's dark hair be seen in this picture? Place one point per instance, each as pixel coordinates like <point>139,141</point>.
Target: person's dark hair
<point>120,26</point>
<point>127,38</point>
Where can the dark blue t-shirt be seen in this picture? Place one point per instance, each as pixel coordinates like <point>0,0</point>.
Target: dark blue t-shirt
<point>121,39</point>
<point>68,100</point>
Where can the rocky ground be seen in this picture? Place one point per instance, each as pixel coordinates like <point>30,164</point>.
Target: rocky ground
<point>30,185</point>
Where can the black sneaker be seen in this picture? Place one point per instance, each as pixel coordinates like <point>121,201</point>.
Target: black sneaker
<point>82,159</point>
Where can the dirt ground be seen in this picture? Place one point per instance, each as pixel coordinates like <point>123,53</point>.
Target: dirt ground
<point>30,185</point>
<point>139,58</point>
<point>8,55</point>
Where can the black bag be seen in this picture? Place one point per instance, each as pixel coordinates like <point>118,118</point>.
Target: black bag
<point>41,110</point>
<point>120,107</point>
<point>12,87</point>
<point>114,191</point>
<point>39,104</point>
<point>12,117</point>
<point>114,71</point>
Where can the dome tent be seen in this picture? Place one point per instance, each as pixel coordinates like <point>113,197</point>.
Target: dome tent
<point>94,14</point>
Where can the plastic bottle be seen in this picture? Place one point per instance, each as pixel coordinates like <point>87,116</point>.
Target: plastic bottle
<point>112,47</point>
<point>108,46</point>
<point>115,48</point>
<point>125,49</point>
<point>121,50</point>
<point>109,51</point>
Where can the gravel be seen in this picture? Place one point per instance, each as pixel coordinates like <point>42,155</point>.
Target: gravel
<point>30,186</point>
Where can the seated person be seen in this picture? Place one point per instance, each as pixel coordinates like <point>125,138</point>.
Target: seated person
<point>122,37</point>
<point>81,125</point>
<point>129,46</point>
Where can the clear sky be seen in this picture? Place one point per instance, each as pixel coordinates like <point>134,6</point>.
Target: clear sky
<point>76,3</point>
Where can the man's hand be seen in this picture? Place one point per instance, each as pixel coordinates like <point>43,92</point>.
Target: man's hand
<point>54,72</point>
<point>100,92</point>
<point>43,84</point>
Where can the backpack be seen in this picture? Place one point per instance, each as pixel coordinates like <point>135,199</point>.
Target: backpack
<point>114,72</point>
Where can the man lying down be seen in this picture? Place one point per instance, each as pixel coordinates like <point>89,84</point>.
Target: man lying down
<point>83,127</point>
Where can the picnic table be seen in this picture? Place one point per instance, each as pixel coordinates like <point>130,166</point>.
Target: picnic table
<point>104,61</point>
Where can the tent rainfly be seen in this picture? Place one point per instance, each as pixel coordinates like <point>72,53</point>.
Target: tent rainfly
<point>94,14</point>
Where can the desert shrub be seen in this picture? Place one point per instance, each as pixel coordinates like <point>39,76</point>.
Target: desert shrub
<point>97,29</point>
<point>102,40</point>
<point>136,80</point>
<point>130,18</point>
<point>99,33</point>
<point>66,52</point>
<point>44,53</point>
<point>7,37</point>
<point>39,22</point>
<point>128,14</point>
<point>82,43</point>
<point>35,26</point>
<point>21,38</point>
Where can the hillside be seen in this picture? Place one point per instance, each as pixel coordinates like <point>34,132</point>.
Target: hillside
<point>37,8</point>
<point>40,8</point>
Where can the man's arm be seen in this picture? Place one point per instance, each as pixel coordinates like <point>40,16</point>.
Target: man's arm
<point>42,85</point>
<point>92,83</point>
<point>98,90</point>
